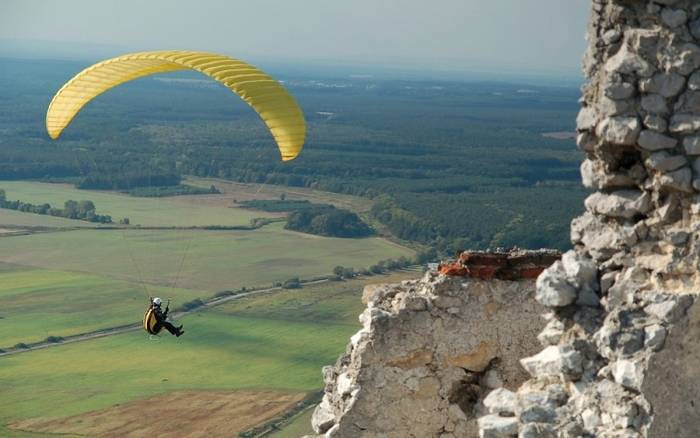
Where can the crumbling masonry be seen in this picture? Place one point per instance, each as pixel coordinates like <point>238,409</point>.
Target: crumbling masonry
<point>619,353</point>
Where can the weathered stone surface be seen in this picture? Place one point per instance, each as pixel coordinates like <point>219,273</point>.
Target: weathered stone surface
<point>664,162</point>
<point>672,381</point>
<point>622,203</point>
<point>653,141</point>
<point>678,179</point>
<point>323,417</point>
<point>494,426</point>
<point>674,17</point>
<point>686,61</point>
<point>628,62</point>
<point>554,361</point>
<point>666,84</point>
<point>694,79</point>
<point>692,145</point>
<point>684,123</point>
<point>586,119</point>
<point>433,358</point>
<point>501,402</point>
<point>619,91</point>
<point>628,373</point>
<point>553,288</point>
<point>620,130</point>
<point>653,104</point>
<point>655,123</point>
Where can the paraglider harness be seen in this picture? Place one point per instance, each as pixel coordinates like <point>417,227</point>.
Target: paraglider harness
<point>153,319</point>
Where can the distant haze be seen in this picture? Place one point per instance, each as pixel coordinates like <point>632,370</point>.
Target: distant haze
<point>469,35</point>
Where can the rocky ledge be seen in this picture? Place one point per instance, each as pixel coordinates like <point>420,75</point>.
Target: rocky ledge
<point>431,349</point>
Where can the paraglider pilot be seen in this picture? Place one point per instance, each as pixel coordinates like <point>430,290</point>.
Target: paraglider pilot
<point>161,318</point>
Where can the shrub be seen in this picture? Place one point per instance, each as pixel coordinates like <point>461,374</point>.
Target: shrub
<point>54,339</point>
<point>21,345</point>
<point>292,283</point>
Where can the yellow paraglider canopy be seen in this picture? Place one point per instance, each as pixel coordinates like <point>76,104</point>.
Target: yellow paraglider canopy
<point>269,99</point>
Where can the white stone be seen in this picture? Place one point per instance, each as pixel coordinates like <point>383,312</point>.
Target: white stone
<point>627,62</point>
<point>552,287</point>
<point>653,141</point>
<point>619,130</point>
<point>674,17</point>
<point>344,384</point>
<point>537,430</point>
<point>663,162</point>
<point>654,336</point>
<point>494,426</point>
<point>628,373</point>
<point>684,123</point>
<point>552,333</point>
<point>621,203</point>
<point>501,401</point>
<point>580,270</point>
<point>554,361</point>
<point>586,119</point>
<point>323,418</point>
<point>492,379</point>
<point>591,419</point>
<point>670,310</point>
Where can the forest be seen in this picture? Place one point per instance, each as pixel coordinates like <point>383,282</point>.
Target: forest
<point>451,165</point>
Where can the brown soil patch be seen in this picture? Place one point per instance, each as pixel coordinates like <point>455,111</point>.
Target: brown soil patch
<point>177,414</point>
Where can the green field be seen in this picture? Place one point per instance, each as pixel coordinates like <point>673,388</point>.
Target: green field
<point>214,261</point>
<point>76,281</point>
<point>37,303</point>
<point>21,219</point>
<point>270,341</point>
<point>140,211</point>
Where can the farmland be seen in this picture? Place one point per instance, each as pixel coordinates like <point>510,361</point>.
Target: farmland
<point>272,342</point>
<point>140,211</point>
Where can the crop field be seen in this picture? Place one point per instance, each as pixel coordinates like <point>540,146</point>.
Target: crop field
<point>37,303</point>
<point>21,219</point>
<point>245,192</point>
<point>210,260</point>
<point>270,342</point>
<point>140,211</point>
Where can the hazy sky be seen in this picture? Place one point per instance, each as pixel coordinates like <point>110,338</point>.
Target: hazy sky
<point>539,35</point>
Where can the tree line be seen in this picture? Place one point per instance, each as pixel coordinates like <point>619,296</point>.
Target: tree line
<point>81,210</point>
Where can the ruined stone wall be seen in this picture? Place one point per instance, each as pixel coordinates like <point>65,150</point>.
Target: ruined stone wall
<point>621,346</point>
<point>430,349</point>
<point>619,352</point>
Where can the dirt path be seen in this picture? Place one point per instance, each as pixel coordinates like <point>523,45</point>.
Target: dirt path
<point>101,333</point>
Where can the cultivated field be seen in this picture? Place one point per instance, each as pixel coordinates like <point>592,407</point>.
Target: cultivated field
<point>189,414</point>
<point>37,303</point>
<point>255,344</point>
<point>254,357</point>
<point>140,211</point>
<point>213,260</point>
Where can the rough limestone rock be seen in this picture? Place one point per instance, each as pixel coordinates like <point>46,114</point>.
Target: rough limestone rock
<point>434,348</point>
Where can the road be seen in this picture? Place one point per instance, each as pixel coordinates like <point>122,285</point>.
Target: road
<point>139,326</point>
